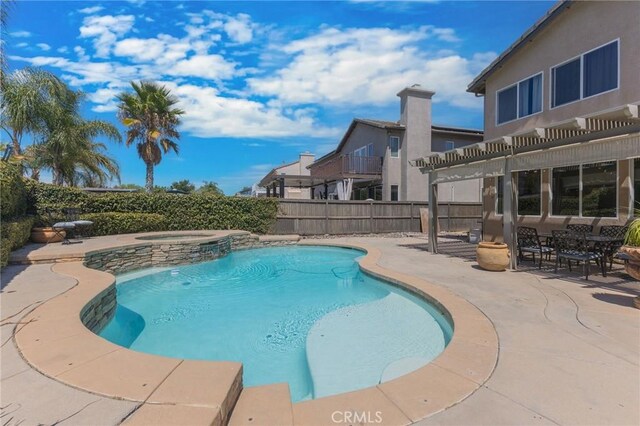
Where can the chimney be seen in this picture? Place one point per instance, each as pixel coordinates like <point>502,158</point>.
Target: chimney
<point>306,159</point>
<point>415,115</point>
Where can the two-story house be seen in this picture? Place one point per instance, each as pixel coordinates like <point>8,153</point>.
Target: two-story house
<point>373,155</point>
<point>562,132</point>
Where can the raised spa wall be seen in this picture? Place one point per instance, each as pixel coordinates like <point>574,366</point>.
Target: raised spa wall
<point>99,311</point>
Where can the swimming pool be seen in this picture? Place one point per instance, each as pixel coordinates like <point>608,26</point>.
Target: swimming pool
<point>303,315</point>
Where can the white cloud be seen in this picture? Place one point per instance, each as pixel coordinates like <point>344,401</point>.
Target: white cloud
<point>63,49</point>
<point>446,34</point>
<point>23,44</point>
<point>20,34</point>
<point>209,114</point>
<point>213,67</point>
<point>369,66</point>
<point>43,46</point>
<point>140,49</point>
<point>239,28</point>
<point>91,10</point>
<point>104,30</point>
<point>106,99</point>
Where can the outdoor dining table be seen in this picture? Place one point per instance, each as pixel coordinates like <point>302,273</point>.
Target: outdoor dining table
<point>607,242</point>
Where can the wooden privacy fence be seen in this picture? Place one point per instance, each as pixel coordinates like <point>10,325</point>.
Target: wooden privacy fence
<point>313,217</point>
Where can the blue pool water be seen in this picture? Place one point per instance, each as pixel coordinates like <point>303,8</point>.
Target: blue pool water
<point>302,315</point>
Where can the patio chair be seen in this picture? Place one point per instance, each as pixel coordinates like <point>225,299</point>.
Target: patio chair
<point>609,249</point>
<point>82,228</point>
<point>529,242</point>
<point>60,228</point>
<point>571,245</point>
<point>580,228</point>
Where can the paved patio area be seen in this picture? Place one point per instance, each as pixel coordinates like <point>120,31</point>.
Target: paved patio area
<point>569,348</point>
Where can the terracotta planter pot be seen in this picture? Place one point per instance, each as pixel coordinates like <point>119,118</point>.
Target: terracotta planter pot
<point>633,265</point>
<point>492,256</point>
<point>46,235</point>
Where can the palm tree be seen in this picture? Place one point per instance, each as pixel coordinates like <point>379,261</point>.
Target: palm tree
<point>152,120</point>
<point>5,6</point>
<point>28,97</point>
<point>65,144</point>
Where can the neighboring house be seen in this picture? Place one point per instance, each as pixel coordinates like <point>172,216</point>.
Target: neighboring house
<point>374,155</point>
<point>258,191</point>
<point>289,180</point>
<point>561,121</point>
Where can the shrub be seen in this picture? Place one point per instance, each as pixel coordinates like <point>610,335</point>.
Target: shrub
<point>125,223</point>
<point>13,194</point>
<point>42,195</point>
<point>14,234</point>
<point>182,212</point>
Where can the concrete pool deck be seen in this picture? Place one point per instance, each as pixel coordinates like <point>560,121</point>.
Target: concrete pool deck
<point>568,352</point>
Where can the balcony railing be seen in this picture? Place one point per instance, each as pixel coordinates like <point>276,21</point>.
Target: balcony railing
<point>348,165</point>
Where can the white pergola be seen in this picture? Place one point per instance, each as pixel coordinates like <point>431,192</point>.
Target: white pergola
<point>605,136</point>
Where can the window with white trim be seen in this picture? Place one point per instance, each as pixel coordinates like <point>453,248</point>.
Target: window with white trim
<point>588,75</point>
<point>449,145</point>
<point>520,100</point>
<point>394,146</point>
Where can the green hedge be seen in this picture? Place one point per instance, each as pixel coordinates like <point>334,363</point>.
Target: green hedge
<point>13,193</point>
<point>182,212</point>
<point>13,235</point>
<point>125,223</point>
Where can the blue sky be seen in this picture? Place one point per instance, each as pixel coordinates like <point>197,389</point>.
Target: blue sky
<point>263,81</point>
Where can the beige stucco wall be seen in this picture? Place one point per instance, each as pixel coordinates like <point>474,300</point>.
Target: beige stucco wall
<point>546,222</point>
<point>584,26</point>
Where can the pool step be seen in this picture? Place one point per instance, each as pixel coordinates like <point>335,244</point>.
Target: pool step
<point>194,393</point>
<point>263,405</point>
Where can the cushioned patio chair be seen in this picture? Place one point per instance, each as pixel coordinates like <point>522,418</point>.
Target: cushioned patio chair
<point>529,242</point>
<point>82,228</point>
<point>572,245</point>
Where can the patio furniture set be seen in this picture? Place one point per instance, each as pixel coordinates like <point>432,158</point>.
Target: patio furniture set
<point>72,225</point>
<point>577,243</point>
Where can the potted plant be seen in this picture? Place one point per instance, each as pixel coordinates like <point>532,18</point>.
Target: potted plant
<point>492,256</point>
<point>632,249</point>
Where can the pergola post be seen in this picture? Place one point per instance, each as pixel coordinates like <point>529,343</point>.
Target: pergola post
<point>510,211</point>
<point>273,185</point>
<point>282,187</point>
<point>268,191</point>
<point>433,213</point>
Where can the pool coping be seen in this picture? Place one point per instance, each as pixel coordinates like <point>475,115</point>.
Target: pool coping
<point>55,342</point>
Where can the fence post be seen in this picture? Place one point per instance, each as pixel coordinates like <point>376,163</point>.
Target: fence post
<point>371,217</point>
<point>326,216</point>
<point>411,218</point>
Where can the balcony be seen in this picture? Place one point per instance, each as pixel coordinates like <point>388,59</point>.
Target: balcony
<point>348,166</point>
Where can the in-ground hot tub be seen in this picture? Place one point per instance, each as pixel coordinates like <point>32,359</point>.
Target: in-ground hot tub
<point>305,315</point>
